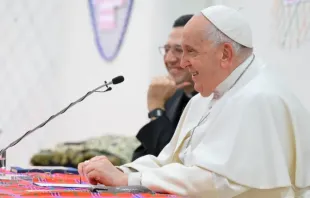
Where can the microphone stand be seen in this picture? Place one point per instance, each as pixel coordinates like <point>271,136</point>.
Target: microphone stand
<point>2,157</point>
<point>3,151</point>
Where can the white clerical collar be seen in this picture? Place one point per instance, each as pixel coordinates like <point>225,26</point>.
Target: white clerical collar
<point>231,79</point>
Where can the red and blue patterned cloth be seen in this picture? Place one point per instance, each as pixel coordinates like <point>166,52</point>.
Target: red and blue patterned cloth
<point>26,188</point>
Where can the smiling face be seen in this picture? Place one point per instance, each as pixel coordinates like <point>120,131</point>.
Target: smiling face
<point>172,57</point>
<point>209,63</point>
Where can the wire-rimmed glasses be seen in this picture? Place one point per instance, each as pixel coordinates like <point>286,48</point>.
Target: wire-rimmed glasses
<point>176,50</point>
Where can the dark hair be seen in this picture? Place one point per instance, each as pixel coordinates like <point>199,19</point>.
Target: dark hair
<point>182,20</point>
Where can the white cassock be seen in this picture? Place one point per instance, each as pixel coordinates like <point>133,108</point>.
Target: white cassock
<point>254,142</point>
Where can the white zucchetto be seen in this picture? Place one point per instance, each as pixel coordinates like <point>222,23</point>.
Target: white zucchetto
<point>231,22</point>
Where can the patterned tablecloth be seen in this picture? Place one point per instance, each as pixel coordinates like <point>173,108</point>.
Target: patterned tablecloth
<point>24,188</point>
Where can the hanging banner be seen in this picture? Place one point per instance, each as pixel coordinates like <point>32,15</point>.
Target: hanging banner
<point>110,20</point>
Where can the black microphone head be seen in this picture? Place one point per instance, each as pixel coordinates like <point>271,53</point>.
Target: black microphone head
<point>118,79</point>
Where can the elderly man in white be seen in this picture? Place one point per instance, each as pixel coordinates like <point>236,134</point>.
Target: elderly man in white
<point>245,135</point>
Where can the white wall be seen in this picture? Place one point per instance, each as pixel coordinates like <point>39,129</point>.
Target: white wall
<point>31,57</point>
<point>121,111</point>
<point>59,51</point>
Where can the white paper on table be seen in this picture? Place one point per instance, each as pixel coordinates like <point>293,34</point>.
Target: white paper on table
<point>8,176</point>
<point>68,185</point>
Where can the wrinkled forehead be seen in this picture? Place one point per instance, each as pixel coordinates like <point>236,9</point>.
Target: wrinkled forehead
<point>195,30</point>
<point>192,37</point>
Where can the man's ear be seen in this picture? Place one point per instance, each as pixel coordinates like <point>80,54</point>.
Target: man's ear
<point>227,54</point>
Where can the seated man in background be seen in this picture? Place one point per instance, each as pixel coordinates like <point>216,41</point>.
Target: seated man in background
<point>167,96</point>
<point>245,135</point>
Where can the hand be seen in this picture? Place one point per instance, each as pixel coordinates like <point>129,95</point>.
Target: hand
<point>160,90</point>
<point>100,170</point>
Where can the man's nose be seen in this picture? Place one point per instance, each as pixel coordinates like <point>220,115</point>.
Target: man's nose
<point>170,57</point>
<point>184,62</point>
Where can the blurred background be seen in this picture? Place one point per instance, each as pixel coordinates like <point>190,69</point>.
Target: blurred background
<point>51,54</point>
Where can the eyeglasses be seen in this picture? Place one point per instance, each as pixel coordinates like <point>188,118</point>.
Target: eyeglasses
<point>175,49</point>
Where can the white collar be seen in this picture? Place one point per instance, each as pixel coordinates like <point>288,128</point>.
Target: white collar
<point>232,78</point>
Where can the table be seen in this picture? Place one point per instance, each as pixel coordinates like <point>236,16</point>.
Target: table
<point>23,188</point>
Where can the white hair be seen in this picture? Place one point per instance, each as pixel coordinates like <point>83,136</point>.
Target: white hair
<point>218,37</point>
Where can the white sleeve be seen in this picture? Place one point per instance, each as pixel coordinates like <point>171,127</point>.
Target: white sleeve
<point>142,164</point>
<point>186,181</point>
<point>150,162</point>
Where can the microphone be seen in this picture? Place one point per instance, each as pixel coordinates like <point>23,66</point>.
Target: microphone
<point>117,80</point>
<point>114,81</point>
